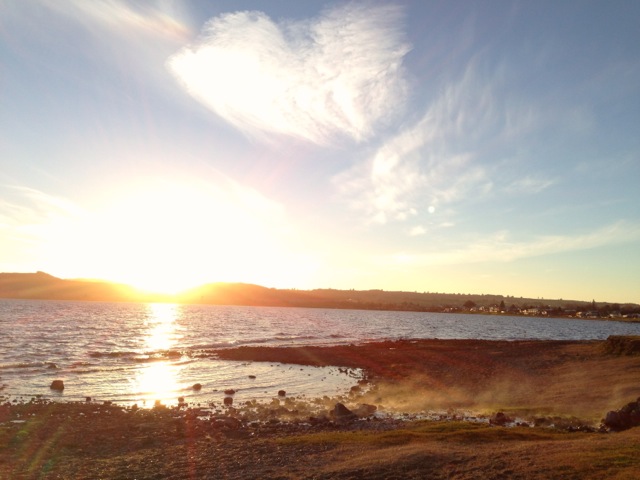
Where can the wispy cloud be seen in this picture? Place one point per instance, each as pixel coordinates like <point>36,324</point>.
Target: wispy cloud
<point>429,163</point>
<point>530,184</point>
<point>333,76</point>
<point>26,206</point>
<point>499,247</point>
<point>157,18</point>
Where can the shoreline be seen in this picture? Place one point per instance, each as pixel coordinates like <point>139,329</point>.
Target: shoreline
<point>568,384</point>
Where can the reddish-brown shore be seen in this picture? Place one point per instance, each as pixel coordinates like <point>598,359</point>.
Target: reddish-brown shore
<point>555,392</point>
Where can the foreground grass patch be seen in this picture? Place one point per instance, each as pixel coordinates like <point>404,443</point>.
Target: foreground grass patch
<point>453,432</point>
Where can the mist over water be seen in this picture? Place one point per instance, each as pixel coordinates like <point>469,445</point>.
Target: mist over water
<point>138,353</point>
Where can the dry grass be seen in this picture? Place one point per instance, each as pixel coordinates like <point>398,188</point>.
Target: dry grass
<point>466,451</point>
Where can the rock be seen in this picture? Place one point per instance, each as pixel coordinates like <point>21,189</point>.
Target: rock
<point>340,412</point>
<point>52,366</point>
<point>625,418</point>
<point>615,420</point>
<point>252,377</point>
<point>228,401</point>
<point>227,422</point>
<point>197,386</point>
<point>87,399</point>
<point>180,399</point>
<point>500,419</point>
<point>282,393</point>
<point>365,410</point>
<point>229,391</point>
<point>57,385</point>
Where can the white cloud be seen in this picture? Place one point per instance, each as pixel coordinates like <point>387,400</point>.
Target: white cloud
<point>427,164</point>
<point>499,248</point>
<point>337,75</point>
<point>530,184</point>
<point>417,231</point>
<point>157,18</point>
<point>26,207</point>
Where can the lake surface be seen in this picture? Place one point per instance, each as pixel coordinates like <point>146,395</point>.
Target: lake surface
<point>139,353</point>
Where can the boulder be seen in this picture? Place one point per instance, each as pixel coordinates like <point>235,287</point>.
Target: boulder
<point>623,419</point>
<point>57,385</point>
<point>227,422</point>
<point>340,412</point>
<point>365,410</point>
<point>500,419</point>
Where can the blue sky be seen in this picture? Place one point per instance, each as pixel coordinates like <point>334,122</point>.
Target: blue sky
<point>443,146</point>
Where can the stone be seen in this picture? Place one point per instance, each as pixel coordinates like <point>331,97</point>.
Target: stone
<point>252,377</point>
<point>340,412</point>
<point>615,420</point>
<point>197,386</point>
<point>229,391</point>
<point>365,410</point>
<point>500,419</point>
<point>228,401</point>
<point>627,417</point>
<point>57,385</point>
<point>282,393</point>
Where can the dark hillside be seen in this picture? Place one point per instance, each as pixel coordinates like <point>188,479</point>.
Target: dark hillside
<point>43,286</point>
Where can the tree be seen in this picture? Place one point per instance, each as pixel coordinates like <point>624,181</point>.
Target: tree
<point>469,304</point>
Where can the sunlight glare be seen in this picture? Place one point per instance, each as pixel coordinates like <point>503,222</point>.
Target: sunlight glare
<point>167,237</point>
<point>159,379</point>
<point>163,331</point>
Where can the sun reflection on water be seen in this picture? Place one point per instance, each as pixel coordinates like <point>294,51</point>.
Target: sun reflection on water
<point>158,380</point>
<point>162,329</point>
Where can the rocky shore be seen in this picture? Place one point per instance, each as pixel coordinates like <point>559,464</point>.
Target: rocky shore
<point>427,409</point>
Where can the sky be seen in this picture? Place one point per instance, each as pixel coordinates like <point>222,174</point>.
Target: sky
<point>432,146</point>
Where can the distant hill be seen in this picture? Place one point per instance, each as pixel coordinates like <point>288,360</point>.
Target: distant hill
<point>43,286</point>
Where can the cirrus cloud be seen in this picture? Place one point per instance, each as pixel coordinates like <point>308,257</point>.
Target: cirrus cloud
<point>500,247</point>
<point>339,74</point>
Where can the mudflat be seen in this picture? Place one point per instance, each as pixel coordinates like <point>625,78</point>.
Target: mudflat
<point>556,393</point>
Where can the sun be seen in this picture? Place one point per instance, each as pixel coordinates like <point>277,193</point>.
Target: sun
<point>167,236</point>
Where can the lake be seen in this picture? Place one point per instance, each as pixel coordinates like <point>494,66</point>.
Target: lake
<point>139,353</point>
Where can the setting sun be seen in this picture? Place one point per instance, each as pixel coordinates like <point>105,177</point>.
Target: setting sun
<point>163,236</point>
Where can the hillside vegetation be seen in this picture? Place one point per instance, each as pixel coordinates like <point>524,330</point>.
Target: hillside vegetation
<point>43,286</point>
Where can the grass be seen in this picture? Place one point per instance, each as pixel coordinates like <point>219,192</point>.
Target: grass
<point>429,431</point>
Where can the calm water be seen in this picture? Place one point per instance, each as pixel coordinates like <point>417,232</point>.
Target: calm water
<point>139,353</point>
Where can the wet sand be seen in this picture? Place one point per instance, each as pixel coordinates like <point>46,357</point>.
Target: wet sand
<point>543,383</point>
